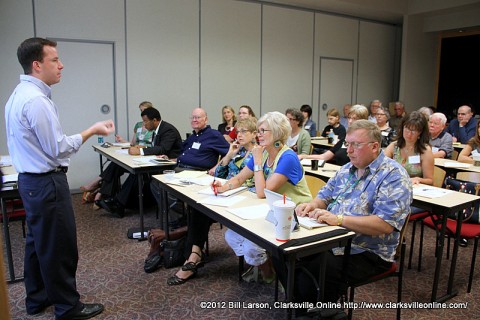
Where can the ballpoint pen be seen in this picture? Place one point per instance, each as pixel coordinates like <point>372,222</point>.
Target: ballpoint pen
<point>214,187</point>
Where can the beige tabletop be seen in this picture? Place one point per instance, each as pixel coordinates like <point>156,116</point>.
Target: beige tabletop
<point>260,226</point>
<point>455,165</point>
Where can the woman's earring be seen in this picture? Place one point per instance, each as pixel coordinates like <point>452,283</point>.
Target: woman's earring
<point>277,144</point>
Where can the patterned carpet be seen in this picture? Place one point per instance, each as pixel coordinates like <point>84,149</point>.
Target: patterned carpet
<point>111,272</point>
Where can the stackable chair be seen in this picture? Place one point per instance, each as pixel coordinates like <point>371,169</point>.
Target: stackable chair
<point>396,270</point>
<point>468,230</point>
<point>438,180</point>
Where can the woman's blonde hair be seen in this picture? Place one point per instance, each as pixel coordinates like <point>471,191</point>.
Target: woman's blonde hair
<point>278,124</point>
<point>233,111</point>
<point>145,104</point>
<point>249,124</point>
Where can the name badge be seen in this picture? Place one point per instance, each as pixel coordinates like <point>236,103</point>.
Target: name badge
<point>385,133</point>
<point>307,127</point>
<point>414,159</point>
<point>139,130</point>
<point>196,145</point>
<point>434,149</point>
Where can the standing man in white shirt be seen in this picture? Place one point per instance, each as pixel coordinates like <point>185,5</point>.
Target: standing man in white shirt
<point>41,153</point>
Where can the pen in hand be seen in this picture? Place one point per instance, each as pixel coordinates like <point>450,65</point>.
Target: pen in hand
<point>214,187</point>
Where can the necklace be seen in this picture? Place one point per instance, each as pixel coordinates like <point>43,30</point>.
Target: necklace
<point>270,165</point>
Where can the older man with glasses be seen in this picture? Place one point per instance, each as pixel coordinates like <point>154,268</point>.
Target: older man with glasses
<point>463,128</point>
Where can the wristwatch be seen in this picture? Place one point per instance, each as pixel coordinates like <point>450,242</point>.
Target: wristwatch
<point>257,167</point>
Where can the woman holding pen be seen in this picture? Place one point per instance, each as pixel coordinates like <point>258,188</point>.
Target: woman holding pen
<point>238,155</point>
<point>274,166</point>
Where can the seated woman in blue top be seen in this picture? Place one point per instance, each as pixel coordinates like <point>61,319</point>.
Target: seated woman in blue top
<point>275,167</point>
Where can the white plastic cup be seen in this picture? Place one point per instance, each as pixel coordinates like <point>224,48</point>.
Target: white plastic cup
<point>169,174</point>
<point>283,213</point>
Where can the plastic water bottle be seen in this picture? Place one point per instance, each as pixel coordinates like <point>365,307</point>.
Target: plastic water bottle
<point>100,140</point>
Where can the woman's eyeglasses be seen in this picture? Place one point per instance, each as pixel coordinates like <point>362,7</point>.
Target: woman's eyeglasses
<point>262,131</point>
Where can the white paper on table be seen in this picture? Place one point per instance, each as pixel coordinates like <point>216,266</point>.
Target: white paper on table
<point>10,178</point>
<point>429,192</point>
<point>121,144</point>
<point>306,162</point>
<point>251,212</point>
<point>122,151</point>
<point>228,193</point>
<point>456,164</point>
<point>189,174</point>
<point>144,160</point>
<point>205,181</point>
<point>222,201</point>
<point>5,161</point>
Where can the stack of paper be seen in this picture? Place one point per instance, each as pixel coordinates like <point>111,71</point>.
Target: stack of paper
<point>251,212</point>
<point>310,223</point>
<point>430,192</point>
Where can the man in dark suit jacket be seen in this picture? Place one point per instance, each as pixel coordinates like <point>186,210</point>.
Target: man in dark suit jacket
<point>166,141</point>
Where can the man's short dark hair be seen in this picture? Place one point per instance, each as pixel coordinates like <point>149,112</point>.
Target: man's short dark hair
<point>151,114</point>
<point>32,50</point>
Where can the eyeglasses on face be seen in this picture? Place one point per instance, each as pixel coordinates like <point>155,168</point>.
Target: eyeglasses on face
<point>196,117</point>
<point>243,131</point>
<point>412,131</point>
<point>380,114</point>
<point>356,145</point>
<point>262,131</point>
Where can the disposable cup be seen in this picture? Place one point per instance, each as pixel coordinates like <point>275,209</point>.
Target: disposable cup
<point>169,174</point>
<point>283,213</point>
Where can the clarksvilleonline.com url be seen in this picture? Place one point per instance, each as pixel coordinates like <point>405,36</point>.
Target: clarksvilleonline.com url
<point>404,305</point>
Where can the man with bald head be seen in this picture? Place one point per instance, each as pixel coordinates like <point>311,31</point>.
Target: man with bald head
<point>463,128</point>
<point>203,147</point>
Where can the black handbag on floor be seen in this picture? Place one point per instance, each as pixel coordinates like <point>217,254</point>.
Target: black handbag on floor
<point>173,252</point>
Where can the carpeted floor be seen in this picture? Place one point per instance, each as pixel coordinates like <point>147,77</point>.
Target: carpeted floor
<point>111,272</point>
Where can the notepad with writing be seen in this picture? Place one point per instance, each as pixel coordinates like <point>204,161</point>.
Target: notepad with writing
<point>309,223</point>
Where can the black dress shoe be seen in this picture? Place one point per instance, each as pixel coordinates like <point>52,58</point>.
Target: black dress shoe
<point>88,311</point>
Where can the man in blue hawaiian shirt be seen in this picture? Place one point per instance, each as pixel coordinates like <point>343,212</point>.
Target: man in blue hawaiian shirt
<point>371,196</point>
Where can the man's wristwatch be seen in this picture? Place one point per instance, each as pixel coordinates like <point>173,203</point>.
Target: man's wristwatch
<point>257,167</point>
<point>339,219</point>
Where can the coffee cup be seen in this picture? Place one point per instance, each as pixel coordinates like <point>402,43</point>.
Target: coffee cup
<point>283,214</point>
<point>314,164</point>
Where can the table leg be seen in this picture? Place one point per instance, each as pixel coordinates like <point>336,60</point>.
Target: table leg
<point>140,206</point>
<point>8,245</point>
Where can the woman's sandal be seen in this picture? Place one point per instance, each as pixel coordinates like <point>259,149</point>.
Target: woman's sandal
<point>176,280</point>
<point>193,266</point>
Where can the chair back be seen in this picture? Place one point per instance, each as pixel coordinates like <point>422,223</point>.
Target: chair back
<point>469,176</point>
<point>438,176</point>
<point>314,184</point>
<point>455,154</point>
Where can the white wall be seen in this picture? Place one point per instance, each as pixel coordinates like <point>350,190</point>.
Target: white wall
<point>184,53</point>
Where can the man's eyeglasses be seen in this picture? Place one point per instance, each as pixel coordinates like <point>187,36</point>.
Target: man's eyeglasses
<point>196,118</point>
<point>356,145</point>
<point>380,114</point>
<point>262,131</point>
<point>243,131</point>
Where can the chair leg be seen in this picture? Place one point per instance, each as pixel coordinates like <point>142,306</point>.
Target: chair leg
<point>350,300</point>
<point>472,266</point>
<point>420,249</point>
<point>412,243</point>
<point>241,267</point>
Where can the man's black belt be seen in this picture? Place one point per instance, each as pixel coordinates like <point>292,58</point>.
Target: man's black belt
<point>185,166</point>
<point>56,170</point>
